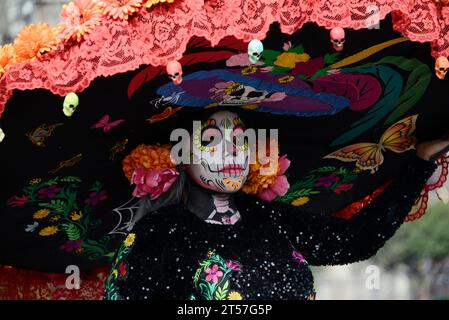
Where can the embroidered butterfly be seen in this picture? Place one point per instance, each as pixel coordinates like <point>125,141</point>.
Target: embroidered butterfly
<point>368,156</point>
<point>106,125</point>
<point>41,133</point>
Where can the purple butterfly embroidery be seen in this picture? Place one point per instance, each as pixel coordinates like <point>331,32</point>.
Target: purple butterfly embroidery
<point>106,125</point>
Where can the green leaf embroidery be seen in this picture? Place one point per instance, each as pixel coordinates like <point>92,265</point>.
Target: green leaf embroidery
<point>58,206</point>
<point>73,232</point>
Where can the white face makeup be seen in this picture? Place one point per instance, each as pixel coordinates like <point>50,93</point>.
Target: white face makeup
<point>220,158</point>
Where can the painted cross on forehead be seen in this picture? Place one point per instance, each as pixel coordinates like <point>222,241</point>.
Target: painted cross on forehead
<point>220,156</point>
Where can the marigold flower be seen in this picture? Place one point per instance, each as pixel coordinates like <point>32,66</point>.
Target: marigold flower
<point>151,3</point>
<point>7,58</point>
<point>147,157</point>
<point>80,17</point>
<point>119,9</point>
<point>34,41</point>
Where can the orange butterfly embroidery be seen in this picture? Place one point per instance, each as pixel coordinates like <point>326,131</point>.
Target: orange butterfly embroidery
<point>368,156</point>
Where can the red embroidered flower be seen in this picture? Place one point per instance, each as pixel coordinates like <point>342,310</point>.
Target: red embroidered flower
<point>327,181</point>
<point>122,270</point>
<point>343,187</point>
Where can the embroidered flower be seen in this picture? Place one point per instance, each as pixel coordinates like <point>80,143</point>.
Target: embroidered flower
<point>48,231</point>
<point>7,58</point>
<point>17,201</point>
<point>95,197</point>
<point>233,265</point>
<point>41,214</point>
<point>289,59</point>
<point>80,17</point>
<point>249,70</point>
<point>234,295</point>
<point>32,227</point>
<point>122,269</point>
<point>153,182</point>
<point>327,181</point>
<point>71,245</point>
<point>213,274</point>
<point>35,181</point>
<point>49,192</point>
<point>119,9</point>
<point>343,187</point>
<point>129,241</point>
<point>75,216</point>
<point>300,201</point>
<point>34,41</point>
<point>241,60</point>
<point>55,218</point>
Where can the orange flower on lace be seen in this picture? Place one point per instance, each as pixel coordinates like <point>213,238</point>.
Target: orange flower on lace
<point>34,41</point>
<point>148,157</point>
<point>151,3</point>
<point>120,9</point>
<point>80,17</point>
<point>7,58</point>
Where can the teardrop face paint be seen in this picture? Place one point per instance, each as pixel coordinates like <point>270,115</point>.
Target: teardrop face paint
<point>220,156</point>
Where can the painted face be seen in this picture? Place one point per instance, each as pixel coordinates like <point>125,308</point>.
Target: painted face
<point>219,158</point>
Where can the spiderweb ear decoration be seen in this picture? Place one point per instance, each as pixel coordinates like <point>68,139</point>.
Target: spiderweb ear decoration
<point>126,213</point>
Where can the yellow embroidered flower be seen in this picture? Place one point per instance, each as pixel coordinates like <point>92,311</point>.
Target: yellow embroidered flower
<point>210,253</point>
<point>356,170</point>
<point>290,59</point>
<point>41,214</point>
<point>75,216</point>
<point>233,87</point>
<point>286,79</point>
<point>48,231</point>
<point>35,181</point>
<point>55,218</point>
<point>249,70</point>
<point>234,295</point>
<point>300,201</point>
<point>129,240</point>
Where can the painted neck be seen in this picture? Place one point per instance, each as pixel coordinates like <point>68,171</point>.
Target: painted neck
<point>210,206</point>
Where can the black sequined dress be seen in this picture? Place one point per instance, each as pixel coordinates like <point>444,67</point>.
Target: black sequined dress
<point>172,254</point>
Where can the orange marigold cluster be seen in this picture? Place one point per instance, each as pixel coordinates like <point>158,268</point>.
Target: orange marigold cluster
<point>80,17</point>
<point>119,9</point>
<point>148,157</point>
<point>7,58</point>
<point>34,41</point>
<point>259,179</point>
<point>151,3</point>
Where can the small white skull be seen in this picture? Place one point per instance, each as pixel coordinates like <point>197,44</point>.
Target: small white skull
<point>441,67</point>
<point>338,38</point>
<point>174,71</point>
<point>2,135</point>
<point>70,104</point>
<point>255,50</point>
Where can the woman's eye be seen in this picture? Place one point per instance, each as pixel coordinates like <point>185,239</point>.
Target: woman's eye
<point>211,137</point>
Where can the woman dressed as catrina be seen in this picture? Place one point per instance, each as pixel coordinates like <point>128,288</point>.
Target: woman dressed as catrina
<point>197,236</point>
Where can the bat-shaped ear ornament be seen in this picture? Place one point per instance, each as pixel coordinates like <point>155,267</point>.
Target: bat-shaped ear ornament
<point>70,104</point>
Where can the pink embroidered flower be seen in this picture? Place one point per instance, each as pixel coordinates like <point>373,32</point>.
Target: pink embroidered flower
<point>50,192</point>
<point>95,197</point>
<point>327,181</point>
<point>213,274</point>
<point>79,18</point>
<point>17,201</point>
<point>71,245</point>
<point>120,9</point>
<point>343,187</point>
<point>281,185</point>
<point>233,265</point>
<point>153,182</point>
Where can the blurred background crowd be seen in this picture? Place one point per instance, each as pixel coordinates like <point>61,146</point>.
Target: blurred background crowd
<point>413,265</point>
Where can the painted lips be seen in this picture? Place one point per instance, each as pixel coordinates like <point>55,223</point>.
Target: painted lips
<point>232,169</point>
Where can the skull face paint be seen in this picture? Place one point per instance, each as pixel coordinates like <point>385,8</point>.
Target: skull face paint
<point>255,50</point>
<point>174,71</point>
<point>338,38</point>
<point>70,104</point>
<point>441,67</point>
<point>219,157</point>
